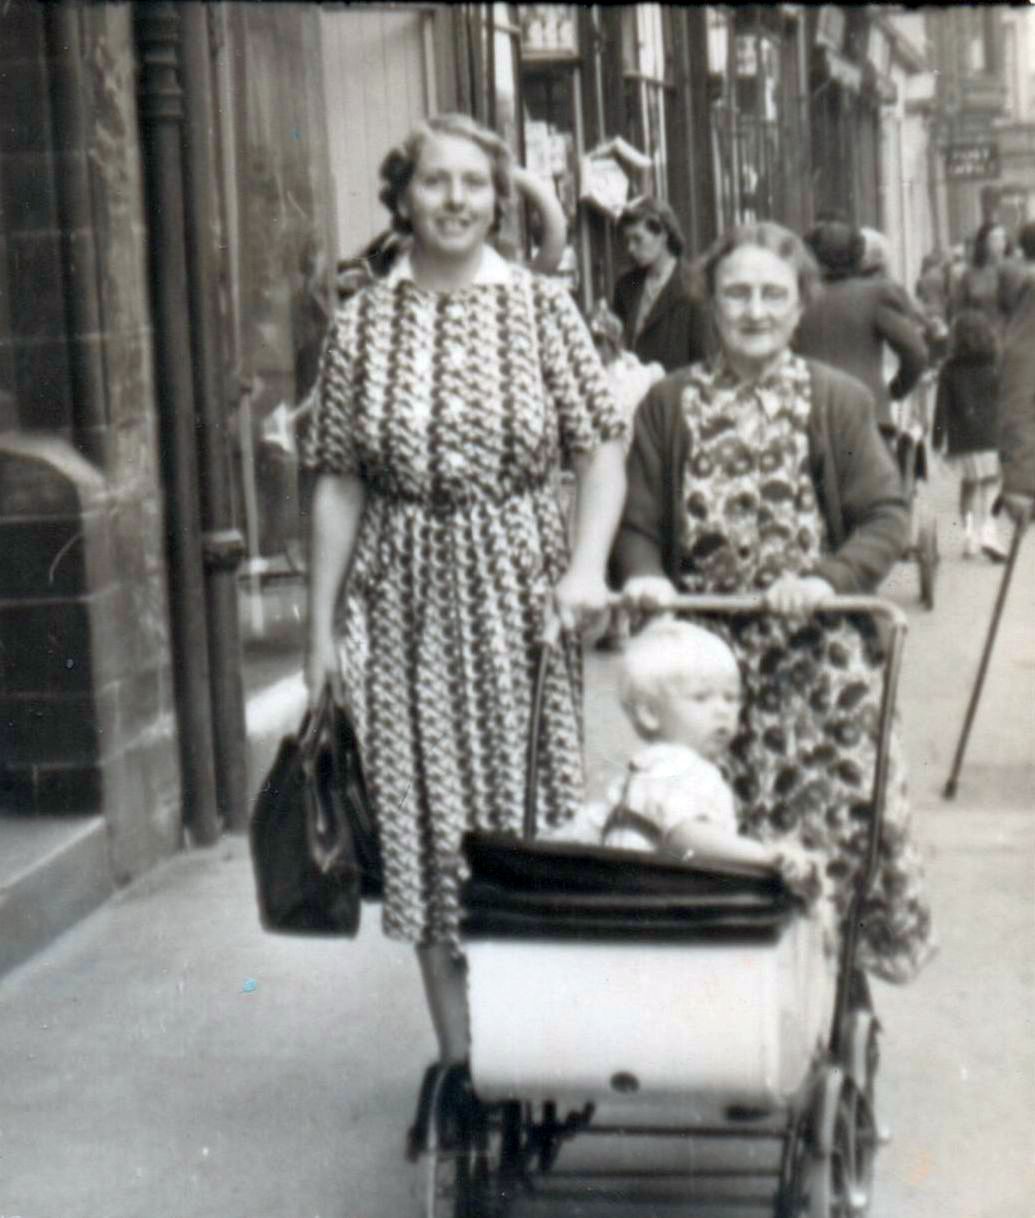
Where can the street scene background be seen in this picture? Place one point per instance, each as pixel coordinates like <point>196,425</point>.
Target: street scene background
<point>180,184</point>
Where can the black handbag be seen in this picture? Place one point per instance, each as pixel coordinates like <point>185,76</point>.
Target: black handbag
<point>313,839</point>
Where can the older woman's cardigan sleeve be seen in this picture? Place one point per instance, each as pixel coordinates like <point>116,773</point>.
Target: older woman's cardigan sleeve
<point>857,484</point>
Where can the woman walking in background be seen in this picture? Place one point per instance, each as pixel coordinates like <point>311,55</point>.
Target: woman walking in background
<point>965,420</point>
<point>662,322</point>
<point>992,282</point>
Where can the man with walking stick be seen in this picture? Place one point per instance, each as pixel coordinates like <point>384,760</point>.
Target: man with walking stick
<point>1017,459</point>
<point>1017,410</point>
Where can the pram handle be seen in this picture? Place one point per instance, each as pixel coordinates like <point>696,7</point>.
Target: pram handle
<point>692,602</point>
<point>870,606</point>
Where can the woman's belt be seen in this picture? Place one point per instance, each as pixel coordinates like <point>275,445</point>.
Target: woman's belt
<point>446,502</point>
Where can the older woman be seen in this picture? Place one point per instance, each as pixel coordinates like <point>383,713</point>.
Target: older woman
<point>765,472</point>
<point>448,392</point>
<point>662,322</point>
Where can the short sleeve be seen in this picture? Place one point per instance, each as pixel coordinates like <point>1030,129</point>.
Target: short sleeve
<point>574,377</point>
<point>328,444</point>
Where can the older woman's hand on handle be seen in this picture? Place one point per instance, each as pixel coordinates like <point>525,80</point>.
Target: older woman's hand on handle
<point>797,596</point>
<point>649,593</point>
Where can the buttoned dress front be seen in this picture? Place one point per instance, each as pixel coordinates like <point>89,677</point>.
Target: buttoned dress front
<point>454,409</point>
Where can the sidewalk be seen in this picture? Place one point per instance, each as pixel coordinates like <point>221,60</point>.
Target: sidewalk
<point>167,1057</point>
<point>55,870</point>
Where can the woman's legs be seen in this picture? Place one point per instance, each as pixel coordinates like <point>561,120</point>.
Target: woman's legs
<point>968,489</point>
<point>445,988</point>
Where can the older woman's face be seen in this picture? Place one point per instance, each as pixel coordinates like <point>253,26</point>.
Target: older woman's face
<point>645,242</point>
<point>451,199</point>
<point>757,304</point>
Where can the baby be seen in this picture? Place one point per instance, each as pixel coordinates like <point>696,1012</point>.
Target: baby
<point>680,688</point>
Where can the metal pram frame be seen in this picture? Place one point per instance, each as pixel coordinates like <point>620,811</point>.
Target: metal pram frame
<point>807,1152</point>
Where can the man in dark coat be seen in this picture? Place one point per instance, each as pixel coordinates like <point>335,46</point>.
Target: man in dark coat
<point>848,326</point>
<point>1017,409</point>
<point>662,322</point>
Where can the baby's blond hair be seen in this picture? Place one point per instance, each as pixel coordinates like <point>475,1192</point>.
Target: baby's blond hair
<point>665,651</point>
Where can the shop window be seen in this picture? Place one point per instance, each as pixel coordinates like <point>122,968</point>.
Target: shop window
<point>499,41</point>
<point>747,91</point>
<point>551,101</point>
<point>647,78</point>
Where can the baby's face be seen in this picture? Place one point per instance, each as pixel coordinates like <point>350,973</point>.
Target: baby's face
<point>700,711</point>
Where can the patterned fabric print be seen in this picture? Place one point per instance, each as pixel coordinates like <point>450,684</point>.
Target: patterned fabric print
<point>453,408</point>
<point>803,763</point>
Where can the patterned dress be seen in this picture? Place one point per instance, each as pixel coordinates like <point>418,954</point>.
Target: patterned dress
<point>802,764</point>
<point>454,409</point>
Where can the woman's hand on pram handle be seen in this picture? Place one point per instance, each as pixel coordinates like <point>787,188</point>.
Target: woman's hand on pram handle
<point>797,596</point>
<point>647,594</point>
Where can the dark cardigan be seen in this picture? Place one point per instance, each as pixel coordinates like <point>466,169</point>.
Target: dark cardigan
<point>678,330</point>
<point>857,483</point>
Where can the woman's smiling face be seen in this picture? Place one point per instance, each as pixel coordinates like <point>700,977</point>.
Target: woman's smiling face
<point>451,199</point>
<point>757,306</point>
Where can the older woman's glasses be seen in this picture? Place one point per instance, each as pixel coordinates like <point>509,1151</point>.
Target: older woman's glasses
<point>769,297</point>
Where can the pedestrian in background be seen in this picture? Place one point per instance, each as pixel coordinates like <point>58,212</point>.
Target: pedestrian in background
<point>992,281</point>
<point>762,472</point>
<point>628,377</point>
<point>856,315</point>
<point>448,392</point>
<point>965,422</point>
<point>662,321</point>
<point>1017,407</point>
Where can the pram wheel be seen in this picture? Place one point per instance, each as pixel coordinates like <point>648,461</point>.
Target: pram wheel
<point>833,1171</point>
<point>470,1158</point>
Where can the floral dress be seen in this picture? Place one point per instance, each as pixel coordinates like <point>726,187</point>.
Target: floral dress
<point>802,763</point>
<point>454,408</point>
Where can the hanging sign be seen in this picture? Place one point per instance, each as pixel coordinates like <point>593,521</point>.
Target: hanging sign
<point>975,160</point>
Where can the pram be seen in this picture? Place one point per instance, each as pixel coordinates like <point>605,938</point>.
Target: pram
<point>689,1016</point>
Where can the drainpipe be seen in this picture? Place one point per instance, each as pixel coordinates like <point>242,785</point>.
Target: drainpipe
<point>157,31</point>
<point>222,545</point>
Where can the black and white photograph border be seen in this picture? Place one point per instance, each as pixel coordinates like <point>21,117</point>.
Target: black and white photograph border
<point>189,194</point>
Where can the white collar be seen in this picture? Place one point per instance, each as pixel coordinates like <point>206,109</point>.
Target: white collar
<point>493,269</point>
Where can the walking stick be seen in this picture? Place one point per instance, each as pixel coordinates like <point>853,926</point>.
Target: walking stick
<point>997,613</point>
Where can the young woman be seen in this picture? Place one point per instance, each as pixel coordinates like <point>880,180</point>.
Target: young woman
<point>448,392</point>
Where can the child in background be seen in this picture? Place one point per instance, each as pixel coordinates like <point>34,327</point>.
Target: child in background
<point>965,420</point>
<point>629,379</point>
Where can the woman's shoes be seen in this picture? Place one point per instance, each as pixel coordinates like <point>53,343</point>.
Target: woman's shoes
<point>969,538</point>
<point>990,543</point>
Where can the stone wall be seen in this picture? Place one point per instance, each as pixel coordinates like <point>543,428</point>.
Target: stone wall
<point>86,709</point>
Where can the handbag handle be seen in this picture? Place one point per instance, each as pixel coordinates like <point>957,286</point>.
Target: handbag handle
<point>315,720</point>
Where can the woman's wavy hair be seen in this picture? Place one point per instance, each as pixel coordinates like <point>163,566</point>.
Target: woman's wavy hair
<point>973,338</point>
<point>768,235</point>
<point>657,216</point>
<point>979,257</point>
<point>398,167</point>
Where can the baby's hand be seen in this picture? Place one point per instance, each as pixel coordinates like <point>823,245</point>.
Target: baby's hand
<point>801,872</point>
